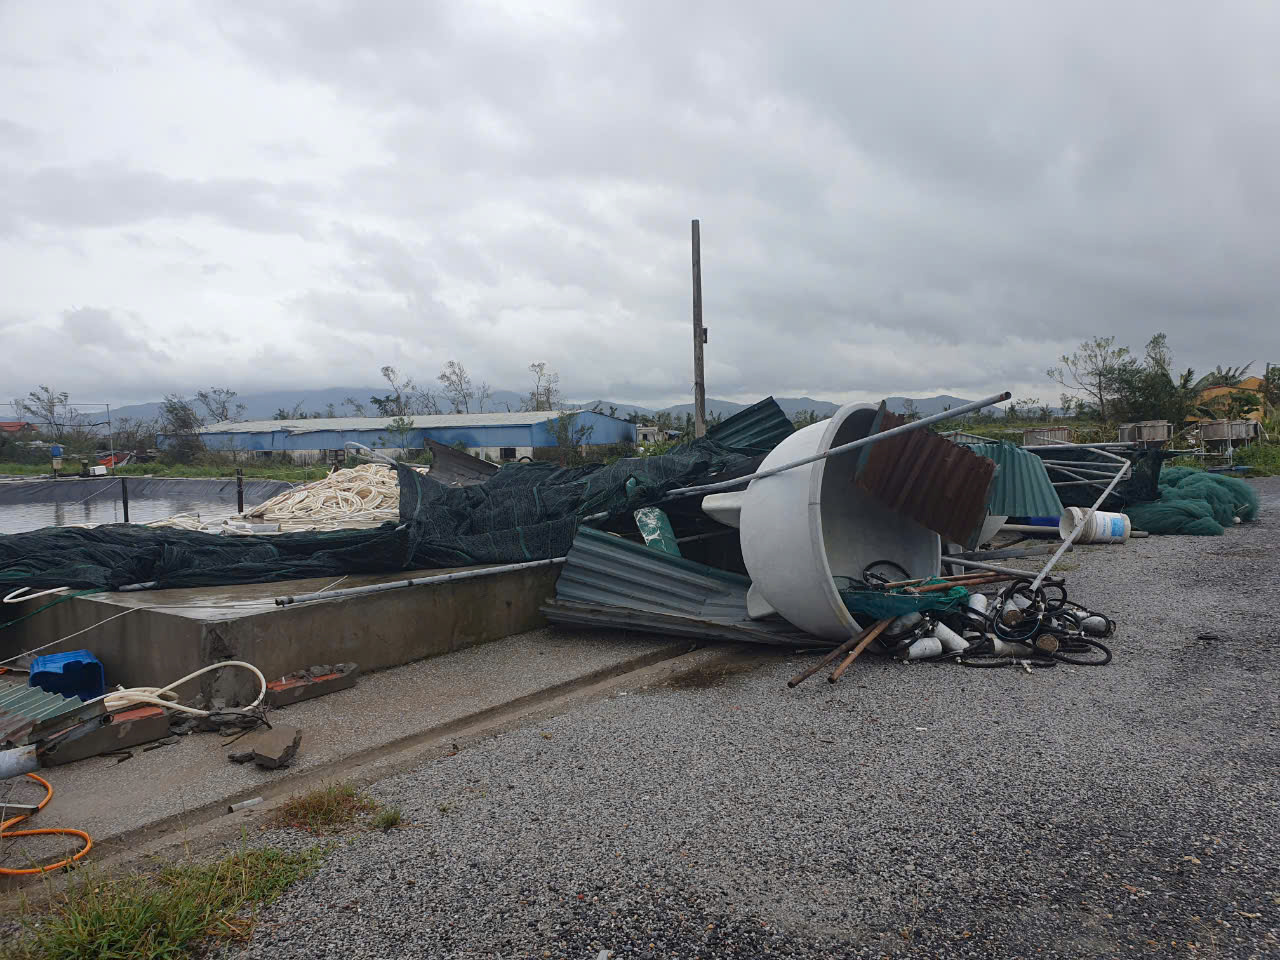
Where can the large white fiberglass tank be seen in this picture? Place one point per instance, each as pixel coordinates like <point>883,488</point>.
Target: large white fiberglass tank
<point>803,527</point>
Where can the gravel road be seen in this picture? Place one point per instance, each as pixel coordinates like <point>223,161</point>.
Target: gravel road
<point>923,810</point>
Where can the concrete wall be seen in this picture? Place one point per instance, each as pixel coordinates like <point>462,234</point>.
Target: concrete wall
<point>171,633</point>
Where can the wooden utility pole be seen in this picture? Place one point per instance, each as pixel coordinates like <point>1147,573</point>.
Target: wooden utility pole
<point>699,339</point>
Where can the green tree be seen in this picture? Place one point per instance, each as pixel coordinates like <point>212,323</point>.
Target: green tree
<point>180,425</point>
<point>51,411</point>
<point>1149,390</point>
<point>219,404</point>
<point>1271,389</point>
<point>400,429</point>
<point>570,437</point>
<point>1221,376</point>
<point>545,394</point>
<point>1092,371</point>
<point>406,398</point>
<point>456,386</point>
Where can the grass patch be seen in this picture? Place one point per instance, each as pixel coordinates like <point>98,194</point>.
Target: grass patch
<point>168,915</point>
<point>328,810</point>
<point>1264,458</point>
<point>386,819</point>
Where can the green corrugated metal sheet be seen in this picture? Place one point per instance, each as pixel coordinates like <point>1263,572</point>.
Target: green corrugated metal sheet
<point>1021,487</point>
<point>757,429</point>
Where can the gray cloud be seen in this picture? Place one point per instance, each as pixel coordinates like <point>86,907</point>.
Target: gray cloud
<point>87,198</point>
<point>894,199</point>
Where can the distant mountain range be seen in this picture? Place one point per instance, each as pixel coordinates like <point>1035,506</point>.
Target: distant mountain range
<point>263,406</point>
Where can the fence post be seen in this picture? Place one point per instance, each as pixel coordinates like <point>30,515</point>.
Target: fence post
<point>124,497</point>
<point>239,490</point>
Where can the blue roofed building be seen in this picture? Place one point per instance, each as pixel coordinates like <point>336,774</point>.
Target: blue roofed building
<point>497,436</point>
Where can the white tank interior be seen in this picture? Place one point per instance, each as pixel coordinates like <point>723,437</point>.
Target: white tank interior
<point>857,529</point>
<point>802,527</point>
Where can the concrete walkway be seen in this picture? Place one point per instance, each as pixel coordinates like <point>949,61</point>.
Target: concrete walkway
<point>162,788</point>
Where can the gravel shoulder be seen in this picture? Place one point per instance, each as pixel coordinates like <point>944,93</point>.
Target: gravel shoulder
<point>922,810</point>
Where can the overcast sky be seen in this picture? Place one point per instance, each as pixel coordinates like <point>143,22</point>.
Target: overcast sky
<point>896,198</point>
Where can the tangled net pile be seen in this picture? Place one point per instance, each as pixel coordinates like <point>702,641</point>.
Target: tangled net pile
<point>1197,503</point>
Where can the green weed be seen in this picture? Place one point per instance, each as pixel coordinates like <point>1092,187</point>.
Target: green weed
<point>167,915</point>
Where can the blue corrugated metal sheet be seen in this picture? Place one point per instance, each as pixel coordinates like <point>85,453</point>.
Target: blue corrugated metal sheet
<point>757,429</point>
<point>449,431</point>
<point>1021,487</point>
<point>612,582</point>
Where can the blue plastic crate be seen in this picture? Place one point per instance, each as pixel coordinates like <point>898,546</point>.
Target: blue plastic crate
<point>75,674</point>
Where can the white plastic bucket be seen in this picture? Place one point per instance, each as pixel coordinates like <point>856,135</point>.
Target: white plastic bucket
<point>1100,528</point>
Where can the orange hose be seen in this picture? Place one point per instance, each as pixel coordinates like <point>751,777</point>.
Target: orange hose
<point>6,833</point>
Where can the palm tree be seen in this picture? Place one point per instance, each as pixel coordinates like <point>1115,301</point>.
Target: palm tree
<point>1221,376</point>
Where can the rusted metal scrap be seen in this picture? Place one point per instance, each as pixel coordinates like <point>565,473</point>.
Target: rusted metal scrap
<point>939,484</point>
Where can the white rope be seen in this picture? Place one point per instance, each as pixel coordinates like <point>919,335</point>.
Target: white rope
<point>366,495</point>
<point>122,698</point>
<point>20,595</point>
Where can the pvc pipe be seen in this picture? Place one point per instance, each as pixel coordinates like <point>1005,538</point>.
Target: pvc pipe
<point>924,647</point>
<point>951,641</point>
<point>416,582</point>
<point>16,762</point>
<point>844,447</point>
<point>1024,528</point>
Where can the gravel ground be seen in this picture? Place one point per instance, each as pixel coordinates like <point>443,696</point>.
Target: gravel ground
<point>924,810</point>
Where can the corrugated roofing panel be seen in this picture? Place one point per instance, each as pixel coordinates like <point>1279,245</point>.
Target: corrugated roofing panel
<point>455,468</point>
<point>1022,487</point>
<point>27,711</point>
<point>939,484</point>
<point>609,581</point>
<point>757,429</point>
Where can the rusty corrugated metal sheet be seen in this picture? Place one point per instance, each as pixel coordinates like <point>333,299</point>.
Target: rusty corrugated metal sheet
<point>1022,487</point>
<point>26,713</point>
<point>611,582</point>
<point>757,429</point>
<point>939,484</point>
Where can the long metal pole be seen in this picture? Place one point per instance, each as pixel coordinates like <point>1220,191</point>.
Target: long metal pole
<point>699,338</point>
<point>845,447</point>
<point>416,582</point>
<point>1066,544</point>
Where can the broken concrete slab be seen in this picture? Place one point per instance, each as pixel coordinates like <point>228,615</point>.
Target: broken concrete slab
<point>124,729</point>
<point>315,682</point>
<point>269,749</point>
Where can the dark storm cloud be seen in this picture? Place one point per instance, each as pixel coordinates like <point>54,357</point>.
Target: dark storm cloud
<point>895,197</point>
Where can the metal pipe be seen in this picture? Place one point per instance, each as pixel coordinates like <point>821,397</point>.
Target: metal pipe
<point>1015,554</point>
<point>978,565</point>
<point>1024,528</point>
<point>844,448</point>
<point>1066,544</point>
<point>124,497</point>
<point>416,582</point>
<point>1119,445</point>
<point>1084,468</point>
<point>1079,483</point>
<point>239,490</point>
